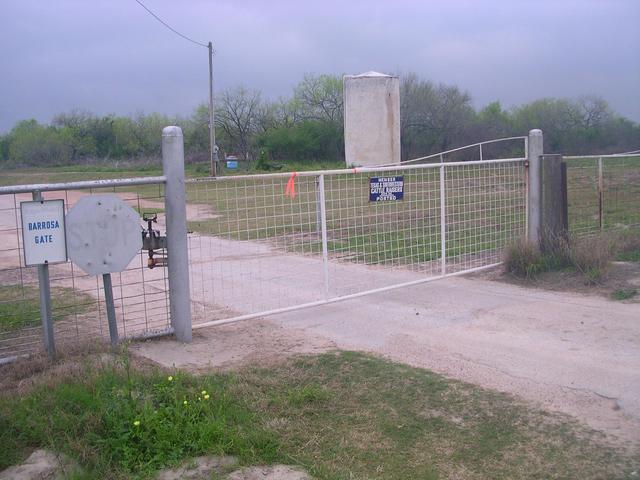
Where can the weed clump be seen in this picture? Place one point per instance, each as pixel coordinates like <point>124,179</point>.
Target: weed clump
<point>628,246</point>
<point>590,255</point>
<point>523,259</point>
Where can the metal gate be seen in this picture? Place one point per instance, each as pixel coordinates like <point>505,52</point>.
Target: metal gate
<point>264,244</point>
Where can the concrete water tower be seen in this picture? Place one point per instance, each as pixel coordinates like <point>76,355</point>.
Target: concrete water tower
<point>371,119</point>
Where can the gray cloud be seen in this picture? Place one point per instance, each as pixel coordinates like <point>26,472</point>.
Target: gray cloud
<point>111,56</point>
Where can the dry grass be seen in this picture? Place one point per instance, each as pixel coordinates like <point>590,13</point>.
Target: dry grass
<point>589,255</point>
<point>341,415</point>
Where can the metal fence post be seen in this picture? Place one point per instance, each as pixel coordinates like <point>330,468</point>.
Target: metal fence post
<point>600,195</point>
<point>323,221</point>
<point>177,248</point>
<point>535,150</point>
<point>44,286</point>
<point>443,222</point>
<point>318,207</point>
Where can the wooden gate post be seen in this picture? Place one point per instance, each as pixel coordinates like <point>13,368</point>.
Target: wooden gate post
<point>554,200</point>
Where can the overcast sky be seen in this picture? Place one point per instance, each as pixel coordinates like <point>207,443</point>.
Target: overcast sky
<point>110,56</point>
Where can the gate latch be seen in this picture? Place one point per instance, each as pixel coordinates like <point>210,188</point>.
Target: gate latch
<point>153,241</point>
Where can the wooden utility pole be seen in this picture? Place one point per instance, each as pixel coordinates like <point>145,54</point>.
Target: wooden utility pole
<point>213,148</point>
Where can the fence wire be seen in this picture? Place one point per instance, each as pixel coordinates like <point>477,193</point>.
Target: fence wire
<point>254,249</point>
<point>603,193</point>
<point>78,310</point>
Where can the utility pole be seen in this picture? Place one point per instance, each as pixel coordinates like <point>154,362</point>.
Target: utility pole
<point>213,148</point>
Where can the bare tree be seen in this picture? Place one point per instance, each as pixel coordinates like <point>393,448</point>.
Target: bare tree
<point>238,115</point>
<point>320,98</point>
<point>432,117</point>
<point>589,111</point>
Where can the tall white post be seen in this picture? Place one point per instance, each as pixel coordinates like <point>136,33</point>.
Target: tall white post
<point>535,151</point>
<point>325,248</point>
<point>177,248</point>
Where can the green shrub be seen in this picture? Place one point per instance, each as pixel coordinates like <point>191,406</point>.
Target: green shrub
<point>126,424</point>
<point>624,294</point>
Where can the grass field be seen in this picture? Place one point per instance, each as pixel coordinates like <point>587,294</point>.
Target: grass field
<point>620,193</point>
<point>339,415</point>
<point>484,208</point>
<point>20,307</point>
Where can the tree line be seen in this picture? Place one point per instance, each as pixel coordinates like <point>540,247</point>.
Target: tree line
<point>307,126</point>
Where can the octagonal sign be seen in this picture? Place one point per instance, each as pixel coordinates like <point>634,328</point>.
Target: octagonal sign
<point>103,234</point>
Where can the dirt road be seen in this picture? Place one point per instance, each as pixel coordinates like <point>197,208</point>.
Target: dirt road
<point>564,352</point>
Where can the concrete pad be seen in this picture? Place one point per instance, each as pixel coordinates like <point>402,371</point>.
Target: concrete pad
<point>199,468</point>
<point>274,472</point>
<point>42,465</point>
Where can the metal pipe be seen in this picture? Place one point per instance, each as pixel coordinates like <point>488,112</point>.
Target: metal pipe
<point>325,249</point>
<point>84,184</point>
<point>534,154</point>
<point>276,311</point>
<point>351,171</point>
<point>443,223</point>
<point>176,217</point>
<point>434,155</point>
<point>613,155</point>
<point>600,195</point>
<point>318,207</point>
<point>111,309</point>
<point>44,287</point>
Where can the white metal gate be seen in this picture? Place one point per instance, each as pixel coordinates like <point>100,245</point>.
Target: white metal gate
<point>257,249</point>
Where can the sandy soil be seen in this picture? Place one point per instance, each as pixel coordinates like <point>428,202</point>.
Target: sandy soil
<point>619,276</point>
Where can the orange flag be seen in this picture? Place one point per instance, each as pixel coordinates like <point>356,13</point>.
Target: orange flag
<point>290,191</point>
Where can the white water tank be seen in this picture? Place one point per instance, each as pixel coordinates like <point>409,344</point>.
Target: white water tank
<point>371,119</point>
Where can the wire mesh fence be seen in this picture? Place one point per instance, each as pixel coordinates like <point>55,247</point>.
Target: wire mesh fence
<point>78,309</point>
<point>256,248</point>
<point>603,193</point>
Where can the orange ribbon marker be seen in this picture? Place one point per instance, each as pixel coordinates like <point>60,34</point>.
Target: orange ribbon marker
<point>290,191</point>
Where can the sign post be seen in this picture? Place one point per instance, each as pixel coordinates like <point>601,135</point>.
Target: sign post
<point>44,242</point>
<point>103,237</point>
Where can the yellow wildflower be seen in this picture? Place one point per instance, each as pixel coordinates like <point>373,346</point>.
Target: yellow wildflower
<point>185,403</point>
<point>203,392</point>
<point>137,423</point>
<point>170,378</point>
<point>206,397</point>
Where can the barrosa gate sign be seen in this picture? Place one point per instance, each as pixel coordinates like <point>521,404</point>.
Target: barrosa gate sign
<point>43,232</point>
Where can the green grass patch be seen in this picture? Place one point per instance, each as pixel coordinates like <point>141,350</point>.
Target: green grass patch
<point>632,256</point>
<point>624,294</point>
<point>148,210</point>
<point>339,415</point>
<point>20,305</point>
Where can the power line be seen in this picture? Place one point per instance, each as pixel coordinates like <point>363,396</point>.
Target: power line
<point>169,26</point>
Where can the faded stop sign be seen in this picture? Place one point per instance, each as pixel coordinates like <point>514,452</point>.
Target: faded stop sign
<point>103,234</point>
